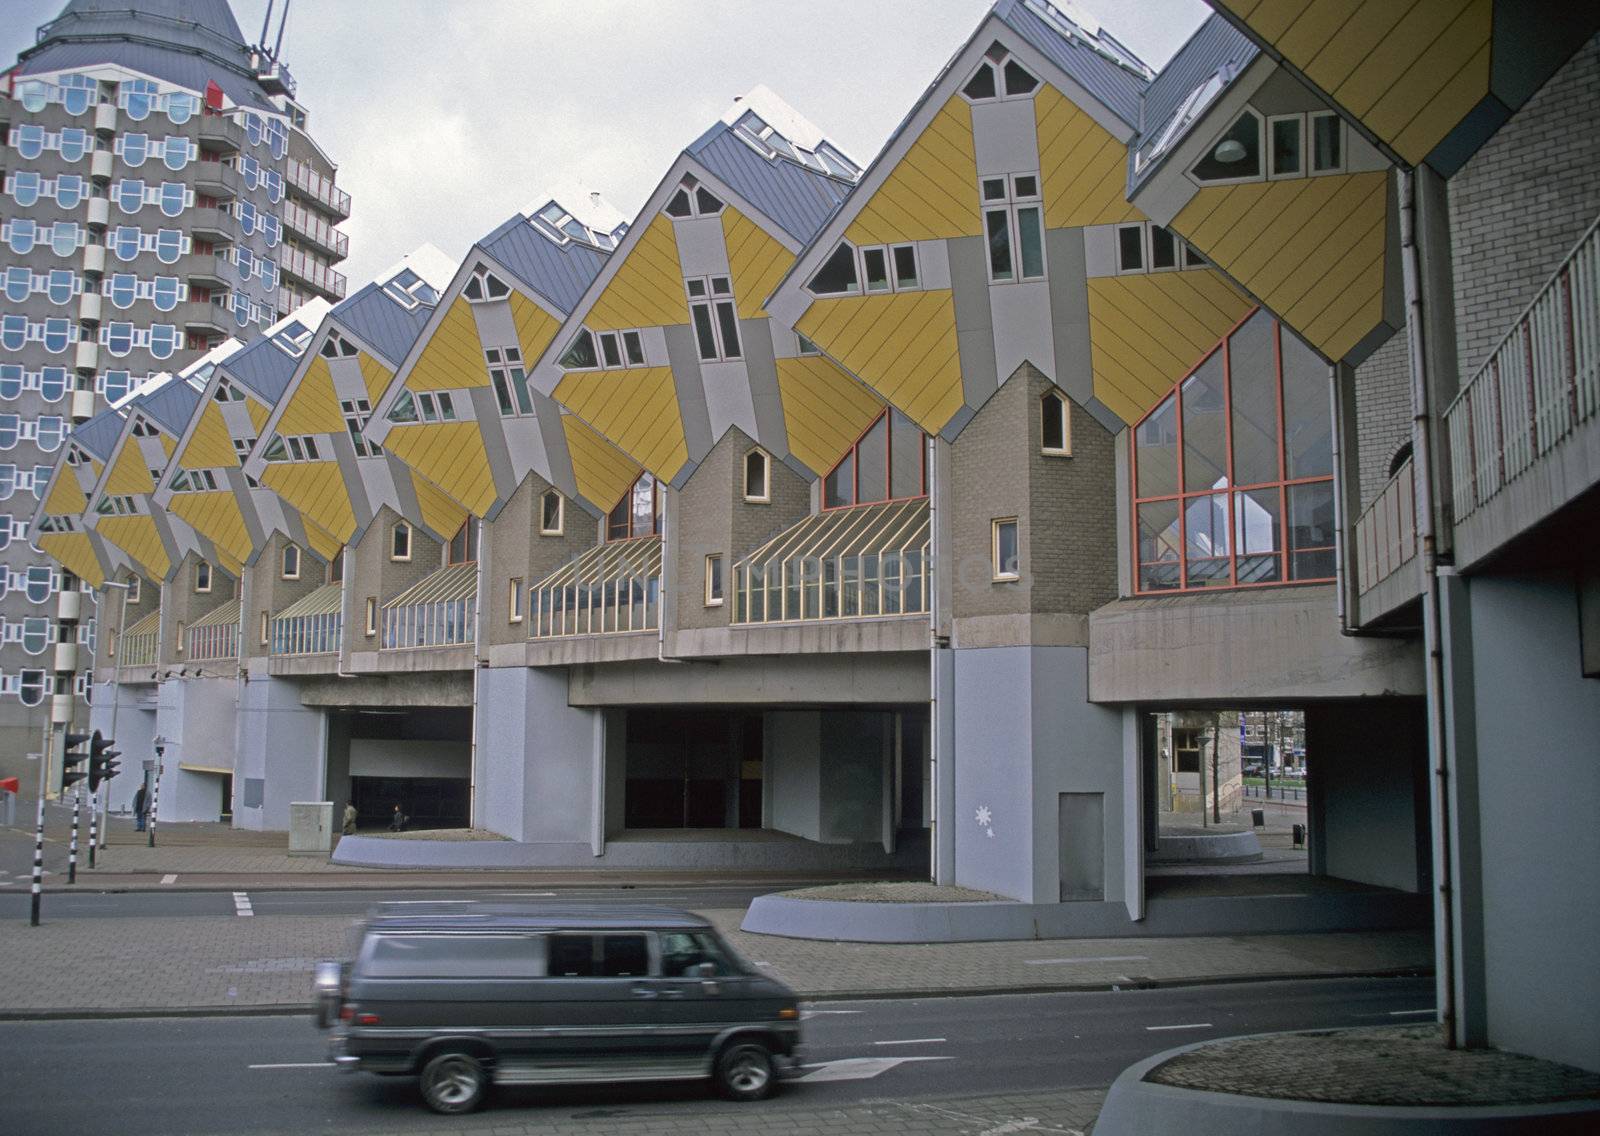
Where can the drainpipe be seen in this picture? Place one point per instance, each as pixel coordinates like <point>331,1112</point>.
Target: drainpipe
<point>935,740</point>
<point>1341,511</point>
<point>1422,449</point>
<point>478,663</point>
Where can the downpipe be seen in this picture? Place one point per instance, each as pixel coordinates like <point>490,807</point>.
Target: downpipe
<point>1426,493</point>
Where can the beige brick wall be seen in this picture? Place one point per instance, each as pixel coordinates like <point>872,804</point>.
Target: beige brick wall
<point>518,550</point>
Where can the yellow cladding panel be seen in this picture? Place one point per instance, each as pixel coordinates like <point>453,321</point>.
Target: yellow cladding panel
<point>66,496</point>
<point>439,513</point>
<point>210,446</point>
<point>313,407</point>
<point>168,443</point>
<point>1409,69</point>
<point>75,553</point>
<point>375,376</point>
<point>535,327</point>
<point>756,260</point>
<point>451,455</point>
<point>647,290</point>
<point>636,410</point>
<point>216,517</point>
<point>259,412</point>
<point>1147,331</point>
<point>138,537</point>
<point>932,192</point>
<point>602,471</point>
<point>1083,170</point>
<point>322,542</point>
<point>317,490</point>
<point>824,409</point>
<point>452,359</point>
<point>129,475</point>
<point>902,345</point>
<point>1311,248</point>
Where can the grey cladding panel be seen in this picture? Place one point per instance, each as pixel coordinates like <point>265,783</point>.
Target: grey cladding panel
<point>685,361</point>
<point>762,369</point>
<point>1069,312</point>
<point>969,286</point>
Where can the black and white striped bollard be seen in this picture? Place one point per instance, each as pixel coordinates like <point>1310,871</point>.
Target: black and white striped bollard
<point>155,800</point>
<point>72,850</point>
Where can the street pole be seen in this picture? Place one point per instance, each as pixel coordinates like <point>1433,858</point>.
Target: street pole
<point>155,800</point>
<point>72,849</point>
<point>38,832</point>
<point>116,694</point>
<point>1266,762</point>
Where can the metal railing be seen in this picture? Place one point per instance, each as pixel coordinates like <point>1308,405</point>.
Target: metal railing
<point>312,625</point>
<point>613,587</point>
<point>139,642</point>
<point>313,228</point>
<point>1540,383</point>
<point>1386,531</point>
<point>438,612</point>
<point>215,635</point>
<point>299,263</point>
<point>316,186</point>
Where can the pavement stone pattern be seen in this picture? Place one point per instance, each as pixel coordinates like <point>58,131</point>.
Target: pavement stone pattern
<point>120,965</point>
<point>1062,1113</point>
<point>1380,1065</point>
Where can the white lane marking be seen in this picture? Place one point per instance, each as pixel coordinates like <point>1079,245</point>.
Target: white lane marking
<point>170,878</point>
<point>409,902</point>
<point>807,1012</point>
<point>296,1065</point>
<point>241,903</point>
<point>1186,1025</point>
<point>913,1041</point>
<point>1408,1013</point>
<point>538,893</point>
<point>858,1068</point>
<point>1099,958</point>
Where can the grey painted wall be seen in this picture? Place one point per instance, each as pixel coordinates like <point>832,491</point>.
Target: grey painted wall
<point>134,730</point>
<point>1536,721</point>
<point>792,777</point>
<point>196,716</point>
<point>283,742</point>
<point>538,758</point>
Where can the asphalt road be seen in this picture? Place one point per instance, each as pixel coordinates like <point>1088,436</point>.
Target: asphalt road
<point>347,901</point>
<point>171,1076</point>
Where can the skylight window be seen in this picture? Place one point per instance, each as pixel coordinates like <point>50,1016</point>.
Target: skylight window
<point>408,290</point>
<point>293,340</point>
<point>561,226</point>
<point>1191,109</point>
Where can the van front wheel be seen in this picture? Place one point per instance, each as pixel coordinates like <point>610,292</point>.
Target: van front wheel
<point>454,1082</point>
<point>744,1072</point>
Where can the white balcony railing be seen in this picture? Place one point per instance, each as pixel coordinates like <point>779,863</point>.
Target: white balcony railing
<point>437,612</point>
<point>1540,383</point>
<point>312,625</point>
<point>1386,532</point>
<point>138,646</point>
<point>613,587</point>
<point>215,635</point>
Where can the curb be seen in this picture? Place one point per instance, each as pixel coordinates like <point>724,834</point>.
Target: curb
<point>292,1009</point>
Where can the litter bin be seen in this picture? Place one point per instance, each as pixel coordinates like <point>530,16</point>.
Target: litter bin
<point>1299,836</point>
<point>1258,817</point>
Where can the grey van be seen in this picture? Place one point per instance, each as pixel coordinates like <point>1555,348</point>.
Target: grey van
<point>468,995</point>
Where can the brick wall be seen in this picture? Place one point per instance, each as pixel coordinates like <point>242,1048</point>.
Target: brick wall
<point>182,605</point>
<point>989,468</point>
<point>1383,414</point>
<point>1521,204</point>
<point>1072,511</point>
<point>518,550</point>
<point>267,590</point>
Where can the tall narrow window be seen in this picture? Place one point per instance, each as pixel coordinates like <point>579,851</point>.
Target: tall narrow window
<point>372,615</point>
<point>514,600</point>
<point>716,322</point>
<point>202,576</point>
<point>266,627</point>
<point>400,541</point>
<point>1286,145</point>
<point>551,513</point>
<point>757,474</point>
<point>714,580</point>
<point>1013,224</point>
<point>464,545</point>
<point>1004,547</point>
<point>1055,425</point>
<point>291,562</point>
<point>1327,143</point>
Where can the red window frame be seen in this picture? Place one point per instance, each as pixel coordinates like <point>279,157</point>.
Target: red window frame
<point>1183,497</point>
<point>852,455</point>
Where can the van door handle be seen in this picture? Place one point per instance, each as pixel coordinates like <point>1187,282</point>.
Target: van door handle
<point>643,992</point>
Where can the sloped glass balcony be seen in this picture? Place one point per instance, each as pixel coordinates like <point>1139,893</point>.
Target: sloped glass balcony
<point>437,612</point>
<point>870,560</point>
<point>614,587</point>
<point>138,646</point>
<point>215,635</point>
<point>312,625</point>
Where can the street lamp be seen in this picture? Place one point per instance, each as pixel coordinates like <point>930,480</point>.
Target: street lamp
<point>155,798</point>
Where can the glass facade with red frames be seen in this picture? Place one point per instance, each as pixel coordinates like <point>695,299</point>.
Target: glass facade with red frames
<point>887,463</point>
<point>1233,471</point>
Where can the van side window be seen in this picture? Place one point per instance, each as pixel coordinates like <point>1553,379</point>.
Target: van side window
<point>572,956</point>
<point>624,956</point>
<point>682,951</point>
<point>454,956</point>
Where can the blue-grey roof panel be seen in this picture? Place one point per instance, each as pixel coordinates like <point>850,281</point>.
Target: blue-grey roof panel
<point>384,325</point>
<point>99,434</point>
<point>795,197</point>
<point>264,368</point>
<point>1115,86</point>
<point>193,22</point>
<point>559,273</point>
<point>172,406</point>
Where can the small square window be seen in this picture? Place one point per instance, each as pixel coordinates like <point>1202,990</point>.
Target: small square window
<point>1025,185</point>
<point>994,189</point>
<point>400,541</point>
<point>1130,248</point>
<point>1286,146</point>
<point>714,581</point>
<point>1327,143</point>
<point>514,600</point>
<point>551,513</point>
<point>372,615</point>
<point>1004,548</point>
<point>757,475</point>
<point>905,266</point>
<point>875,263</point>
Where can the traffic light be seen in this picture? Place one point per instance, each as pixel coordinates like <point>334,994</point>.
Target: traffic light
<point>73,757</point>
<point>102,760</point>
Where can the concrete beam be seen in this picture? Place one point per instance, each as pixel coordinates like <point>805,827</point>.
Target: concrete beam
<point>786,680</point>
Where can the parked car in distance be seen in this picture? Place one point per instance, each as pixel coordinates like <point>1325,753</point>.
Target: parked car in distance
<point>465,996</point>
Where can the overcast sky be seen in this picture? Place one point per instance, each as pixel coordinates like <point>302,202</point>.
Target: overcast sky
<point>447,116</point>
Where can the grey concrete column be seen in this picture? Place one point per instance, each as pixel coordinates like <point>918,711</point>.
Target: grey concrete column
<point>1462,841</point>
<point>1133,813</point>
<point>944,765</point>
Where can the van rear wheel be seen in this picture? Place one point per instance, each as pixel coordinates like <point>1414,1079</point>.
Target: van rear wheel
<point>744,1072</point>
<point>454,1082</point>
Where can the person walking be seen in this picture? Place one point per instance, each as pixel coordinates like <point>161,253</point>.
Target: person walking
<point>141,808</point>
<point>397,823</point>
<point>349,818</point>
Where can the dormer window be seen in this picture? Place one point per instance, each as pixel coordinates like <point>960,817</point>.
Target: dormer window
<point>336,346</point>
<point>408,290</point>
<point>999,76</point>
<point>693,200</point>
<point>561,226</point>
<point>483,286</point>
<point>293,340</point>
